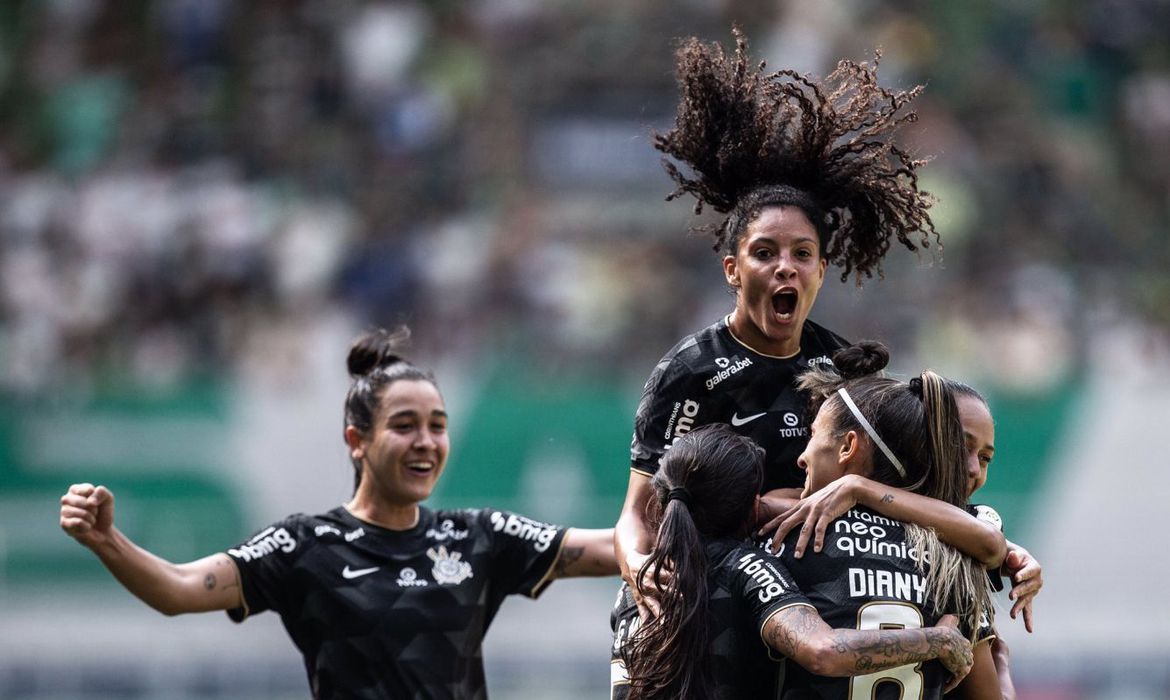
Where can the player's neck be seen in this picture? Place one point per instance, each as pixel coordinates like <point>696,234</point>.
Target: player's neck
<point>391,517</point>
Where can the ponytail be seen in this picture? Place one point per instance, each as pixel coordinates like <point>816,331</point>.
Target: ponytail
<point>661,660</point>
<point>705,487</point>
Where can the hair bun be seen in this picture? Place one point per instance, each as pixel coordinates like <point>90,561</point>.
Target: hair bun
<point>376,348</point>
<point>861,359</point>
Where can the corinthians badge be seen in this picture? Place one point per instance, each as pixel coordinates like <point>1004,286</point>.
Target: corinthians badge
<point>448,566</point>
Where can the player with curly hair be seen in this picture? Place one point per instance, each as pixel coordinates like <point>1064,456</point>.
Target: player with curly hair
<point>807,173</point>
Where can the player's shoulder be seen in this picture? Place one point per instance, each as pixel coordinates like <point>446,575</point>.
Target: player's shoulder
<point>695,350</point>
<point>499,523</point>
<point>744,560</point>
<point>815,339</point>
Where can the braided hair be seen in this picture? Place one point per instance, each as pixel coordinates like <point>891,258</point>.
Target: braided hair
<point>752,140</point>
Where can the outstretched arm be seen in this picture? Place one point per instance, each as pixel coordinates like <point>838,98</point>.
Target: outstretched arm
<point>977,539</point>
<point>586,553</point>
<point>211,583</point>
<point>799,633</point>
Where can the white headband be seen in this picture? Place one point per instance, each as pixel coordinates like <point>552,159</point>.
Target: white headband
<point>872,433</point>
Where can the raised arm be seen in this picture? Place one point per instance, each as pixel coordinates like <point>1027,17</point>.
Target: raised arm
<point>799,633</point>
<point>211,583</point>
<point>587,553</point>
<point>977,539</point>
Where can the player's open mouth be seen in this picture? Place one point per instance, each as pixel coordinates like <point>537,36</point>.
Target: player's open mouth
<point>420,467</point>
<point>784,303</point>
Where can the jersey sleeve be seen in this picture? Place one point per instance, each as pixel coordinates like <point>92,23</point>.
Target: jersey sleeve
<point>764,585</point>
<point>264,561</point>
<point>668,408</point>
<point>989,515</point>
<point>523,551</point>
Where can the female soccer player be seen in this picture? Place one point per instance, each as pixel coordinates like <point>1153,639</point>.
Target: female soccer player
<point>837,498</point>
<point>807,174</point>
<point>874,571</point>
<point>382,596</point>
<point>726,594</point>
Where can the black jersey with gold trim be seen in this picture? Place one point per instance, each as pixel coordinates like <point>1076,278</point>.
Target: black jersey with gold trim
<point>710,377</point>
<point>866,577</point>
<point>380,613</point>
<point>746,586</point>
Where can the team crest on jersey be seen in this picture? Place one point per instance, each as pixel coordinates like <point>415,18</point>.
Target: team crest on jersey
<point>449,567</point>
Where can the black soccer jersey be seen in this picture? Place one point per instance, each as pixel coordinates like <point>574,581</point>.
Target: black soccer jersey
<point>866,577</point>
<point>710,377</point>
<point>746,586</point>
<point>381,613</point>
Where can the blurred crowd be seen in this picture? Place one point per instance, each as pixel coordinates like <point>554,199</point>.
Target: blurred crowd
<point>187,184</point>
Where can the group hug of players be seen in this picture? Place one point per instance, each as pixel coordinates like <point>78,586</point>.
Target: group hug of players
<point>797,524</point>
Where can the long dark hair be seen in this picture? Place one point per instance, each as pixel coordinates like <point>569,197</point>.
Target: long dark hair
<point>752,140</point>
<point>374,363</point>
<point>705,487</point>
<point>919,422</point>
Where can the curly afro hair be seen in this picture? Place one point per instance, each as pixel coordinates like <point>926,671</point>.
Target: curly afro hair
<point>752,140</point>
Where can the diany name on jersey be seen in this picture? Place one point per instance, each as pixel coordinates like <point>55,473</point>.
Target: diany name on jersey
<point>265,542</point>
<point>880,583</point>
<point>541,534</point>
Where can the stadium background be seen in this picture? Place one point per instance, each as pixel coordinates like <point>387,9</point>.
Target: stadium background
<point>202,202</point>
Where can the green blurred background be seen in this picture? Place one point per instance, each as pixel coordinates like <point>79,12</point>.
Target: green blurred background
<point>202,202</point>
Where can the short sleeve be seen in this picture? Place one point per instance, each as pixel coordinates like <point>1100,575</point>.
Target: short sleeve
<point>987,514</point>
<point>763,583</point>
<point>523,551</point>
<point>666,410</point>
<point>264,561</point>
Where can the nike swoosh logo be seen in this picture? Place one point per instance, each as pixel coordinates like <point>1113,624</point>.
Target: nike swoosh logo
<point>354,573</point>
<point>736,421</point>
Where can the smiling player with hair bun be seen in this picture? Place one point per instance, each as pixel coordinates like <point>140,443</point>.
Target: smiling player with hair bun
<point>383,597</point>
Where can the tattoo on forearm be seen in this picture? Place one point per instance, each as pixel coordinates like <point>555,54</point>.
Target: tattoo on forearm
<point>866,651</point>
<point>888,498</point>
<point>569,556</point>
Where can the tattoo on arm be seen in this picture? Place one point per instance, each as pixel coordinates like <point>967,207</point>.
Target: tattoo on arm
<point>888,498</point>
<point>861,651</point>
<point>233,580</point>
<point>569,557</point>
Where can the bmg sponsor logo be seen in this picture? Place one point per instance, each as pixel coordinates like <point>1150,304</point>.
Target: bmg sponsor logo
<point>265,542</point>
<point>764,574</point>
<point>540,534</point>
